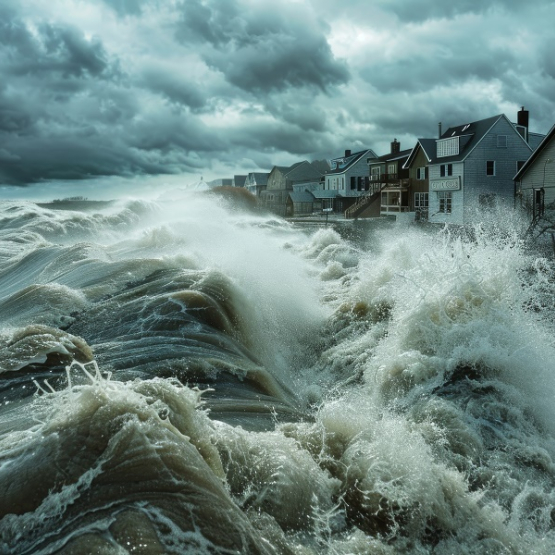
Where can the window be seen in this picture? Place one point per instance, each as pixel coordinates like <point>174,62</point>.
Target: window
<point>422,173</point>
<point>490,167</point>
<point>519,165</point>
<point>421,201</point>
<point>502,141</point>
<point>391,169</point>
<point>446,169</point>
<point>375,173</point>
<point>448,147</point>
<point>353,182</point>
<point>445,201</point>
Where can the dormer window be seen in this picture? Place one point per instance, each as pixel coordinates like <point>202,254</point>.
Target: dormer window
<point>448,147</point>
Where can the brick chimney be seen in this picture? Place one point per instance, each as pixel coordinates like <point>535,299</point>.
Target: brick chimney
<point>522,123</point>
<point>347,153</point>
<point>523,117</point>
<point>395,146</point>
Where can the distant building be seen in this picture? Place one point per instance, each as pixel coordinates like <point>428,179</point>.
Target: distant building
<point>281,181</point>
<point>535,180</point>
<point>255,183</point>
<point>299,203</point>
<point>239,180</point>
<point>223,182</point>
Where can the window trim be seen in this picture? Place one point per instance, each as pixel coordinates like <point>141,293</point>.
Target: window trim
<point>446,170</point>
<point>493,168</point>
<point>421,201</point>
<point>448,147</point>
<point>445,199</point>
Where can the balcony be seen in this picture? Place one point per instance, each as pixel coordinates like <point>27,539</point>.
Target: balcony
<point>390,179</point>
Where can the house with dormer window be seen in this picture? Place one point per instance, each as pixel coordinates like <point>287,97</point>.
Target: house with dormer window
<point>473,167</point>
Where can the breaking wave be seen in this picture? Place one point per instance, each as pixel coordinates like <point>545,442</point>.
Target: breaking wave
<point>190,376</point>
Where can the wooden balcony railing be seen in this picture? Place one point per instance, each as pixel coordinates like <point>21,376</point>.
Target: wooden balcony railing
<point>391,180</point>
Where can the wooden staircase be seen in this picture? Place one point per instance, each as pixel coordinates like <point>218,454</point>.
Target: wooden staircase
<point>363,202</point>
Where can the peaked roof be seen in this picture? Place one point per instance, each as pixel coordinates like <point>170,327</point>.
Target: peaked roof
<point>391,156</point>
<point>301,196</point>
<point>343,163</point>
<point>320,165</point>
<point>260,178</point>
<point>428,147</point>
<point>239,180</point>
<point>300,171</point>
<point>546,140</point>
<point>471,135</point>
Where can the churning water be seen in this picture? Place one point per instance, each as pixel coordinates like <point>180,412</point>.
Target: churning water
<point>183,376</point>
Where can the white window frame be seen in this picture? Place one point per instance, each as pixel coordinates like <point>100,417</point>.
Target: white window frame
<point>502,141</point>
<point>445,199</point>
<point>421,201</point>
<point>494,168</point>
<point>448,147</point>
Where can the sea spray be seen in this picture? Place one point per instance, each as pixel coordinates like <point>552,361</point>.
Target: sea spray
<point>384,391</point>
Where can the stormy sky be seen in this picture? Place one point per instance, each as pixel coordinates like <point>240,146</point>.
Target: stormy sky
<point>93,88</point>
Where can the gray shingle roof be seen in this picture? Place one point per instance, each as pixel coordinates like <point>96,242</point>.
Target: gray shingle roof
<point>428,146</point>
<point>302,196</point>
<point>470,135</point>
<point>331,193</point>
<point>343,163</point>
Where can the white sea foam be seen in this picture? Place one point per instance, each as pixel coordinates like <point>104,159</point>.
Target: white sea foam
<point>425,357</point>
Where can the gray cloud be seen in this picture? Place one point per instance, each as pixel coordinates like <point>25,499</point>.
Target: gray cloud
<point>259,47</point>
<point>125,87</point>
<point>422,10</point>
<point>416,73</point>
<point>127,7</point>
<point>52,49</point>
<point>178,89</point>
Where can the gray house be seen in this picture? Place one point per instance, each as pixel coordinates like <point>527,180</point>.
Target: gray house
<point>281,182</point>
<point>347,179</point>
<point>535,181</point>
<point>473,168</point>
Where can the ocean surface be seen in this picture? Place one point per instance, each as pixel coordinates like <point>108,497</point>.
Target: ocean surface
<point>183,375</point>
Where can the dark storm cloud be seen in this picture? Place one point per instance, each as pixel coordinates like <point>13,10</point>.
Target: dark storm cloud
<point>178,89</point>
<point>456,64</point>
<point>52,49</point>
<point>261,47</point>
<point>123,87</point>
